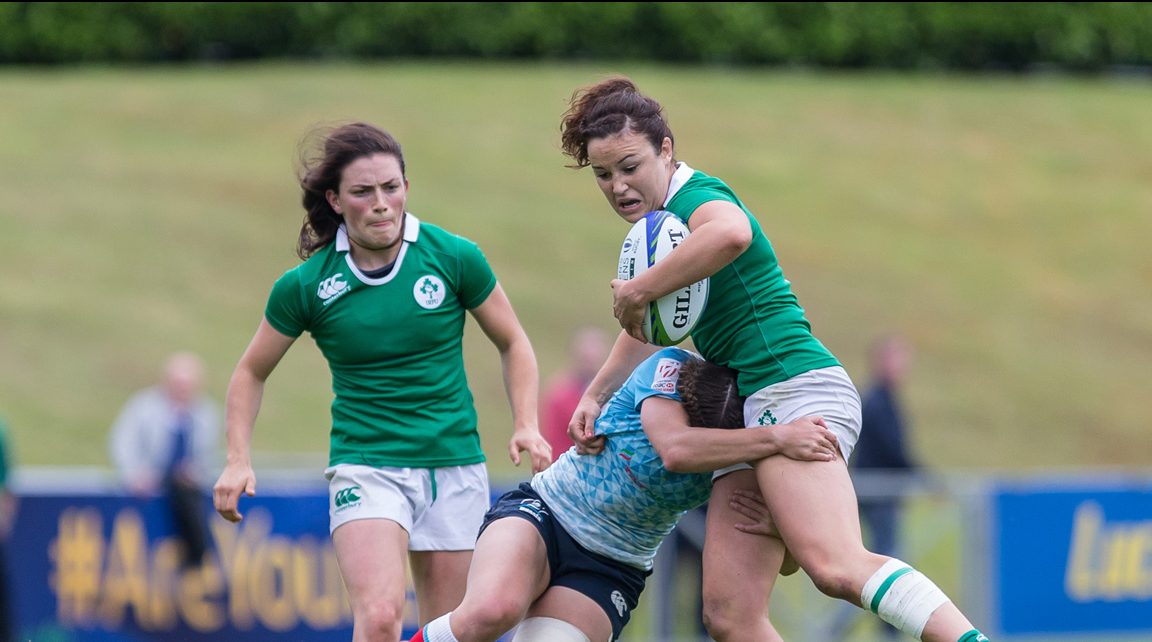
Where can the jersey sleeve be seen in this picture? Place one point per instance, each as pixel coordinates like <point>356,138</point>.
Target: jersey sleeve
<point>657,376</point>
<point>285,309</point>
<point>477,280</point>
<point>687,203</point>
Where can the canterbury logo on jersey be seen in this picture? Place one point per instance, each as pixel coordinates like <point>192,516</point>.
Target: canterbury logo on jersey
<point>331,288</point>
<point>346,498</point>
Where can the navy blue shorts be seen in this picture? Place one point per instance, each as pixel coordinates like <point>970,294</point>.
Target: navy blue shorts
<point>615,586</point>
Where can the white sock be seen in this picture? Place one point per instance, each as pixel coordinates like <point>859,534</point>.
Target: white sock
<point>439,630</point>
<point>547,629</point>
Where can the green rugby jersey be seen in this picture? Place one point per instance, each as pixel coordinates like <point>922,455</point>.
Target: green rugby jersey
<point>394,346</point>
<point>753,322</point>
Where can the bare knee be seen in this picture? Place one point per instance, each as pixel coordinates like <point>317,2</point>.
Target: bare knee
<point>834,579</point>
<point>842,576</point>
<point>490,617</point>
<point>379,620</point>
<point>727,616</point>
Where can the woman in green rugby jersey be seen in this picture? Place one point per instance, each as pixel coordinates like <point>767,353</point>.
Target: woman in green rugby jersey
<point>384,295</point>
<point>754,325</point>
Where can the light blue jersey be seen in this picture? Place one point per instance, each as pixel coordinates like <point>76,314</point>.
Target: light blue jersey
<point>623,502</point>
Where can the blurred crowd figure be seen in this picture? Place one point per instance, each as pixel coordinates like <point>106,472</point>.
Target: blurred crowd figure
<point>165,442</point>
<point>7,519</point>
<point>883,442</point>
<point>588,346</point>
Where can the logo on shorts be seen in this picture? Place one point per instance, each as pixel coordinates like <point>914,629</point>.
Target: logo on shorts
<point>534,508</point>
<point>619,603</point>
<point>429,291</point>
<point>766,418</point>
<point>347,498</point>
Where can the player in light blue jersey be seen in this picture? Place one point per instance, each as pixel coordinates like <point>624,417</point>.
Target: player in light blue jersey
<point>575,560</point>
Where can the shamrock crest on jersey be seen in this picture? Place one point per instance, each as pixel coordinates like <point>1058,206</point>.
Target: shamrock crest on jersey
<point>766,418</point>
<point>429,291</point>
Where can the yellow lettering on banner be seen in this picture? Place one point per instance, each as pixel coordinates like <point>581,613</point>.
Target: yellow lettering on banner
<point>1111,583</point>
<point>201,591</point>
<point>1078,579</point>
<point>1108,562</point>
<point>77,556</point>
<point>231,543</point>
<point>165,570</point>
<point>126,579</point>
<point>270,582</point>
<point>317,587</point>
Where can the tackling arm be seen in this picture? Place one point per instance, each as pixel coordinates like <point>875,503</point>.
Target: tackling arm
<point>689,449</point>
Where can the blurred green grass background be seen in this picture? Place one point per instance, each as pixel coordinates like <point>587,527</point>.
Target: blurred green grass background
<point>1001,223</point>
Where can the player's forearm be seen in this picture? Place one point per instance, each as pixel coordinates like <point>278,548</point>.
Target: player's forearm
<point>703,253</point>
<point>245,394</point>
<point>697,450</point>
<point>626,354</point>
<point>521,382</point>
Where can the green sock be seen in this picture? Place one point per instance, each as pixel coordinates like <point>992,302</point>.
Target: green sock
<point>973,636</point>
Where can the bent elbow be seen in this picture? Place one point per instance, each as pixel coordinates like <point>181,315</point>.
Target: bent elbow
<point>676,459</point>
<point>739,239</point>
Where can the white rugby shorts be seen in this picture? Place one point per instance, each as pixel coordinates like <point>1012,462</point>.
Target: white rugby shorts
<point>826,392</point>
<point>441,508</point>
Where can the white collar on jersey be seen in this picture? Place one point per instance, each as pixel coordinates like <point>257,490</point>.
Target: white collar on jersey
<point>679,177</point>
<point>411,234</point>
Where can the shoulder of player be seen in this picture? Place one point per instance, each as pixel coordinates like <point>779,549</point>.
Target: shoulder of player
<point>434,238</point>
<point>316,267</point>
<point>672,353</point>
<point>701,189</point>
<point>700,180</point>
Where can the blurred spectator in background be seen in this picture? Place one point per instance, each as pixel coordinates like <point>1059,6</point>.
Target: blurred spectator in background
<point>883,439</point>
<point>587,348</point>
<point>7,519</point>
<point>165,441</point>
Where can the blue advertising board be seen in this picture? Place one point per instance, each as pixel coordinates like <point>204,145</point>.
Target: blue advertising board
<point>107,568</point>
<point>1073,558</point>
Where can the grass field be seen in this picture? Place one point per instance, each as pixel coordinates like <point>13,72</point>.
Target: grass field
<point>1002,223</point>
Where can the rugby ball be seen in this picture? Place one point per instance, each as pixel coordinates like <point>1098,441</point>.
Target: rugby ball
<point>672,317</point>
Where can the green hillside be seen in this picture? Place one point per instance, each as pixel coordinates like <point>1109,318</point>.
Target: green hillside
<point>1002,223</point>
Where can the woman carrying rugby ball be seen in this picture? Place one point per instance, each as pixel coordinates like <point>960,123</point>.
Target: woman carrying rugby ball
<point>754,325</point>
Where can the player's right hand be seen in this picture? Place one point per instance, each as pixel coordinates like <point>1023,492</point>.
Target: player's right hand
<point>628,309</point>
<point>806,439</point>
<point>237,478</point>
<point>582,428</point>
